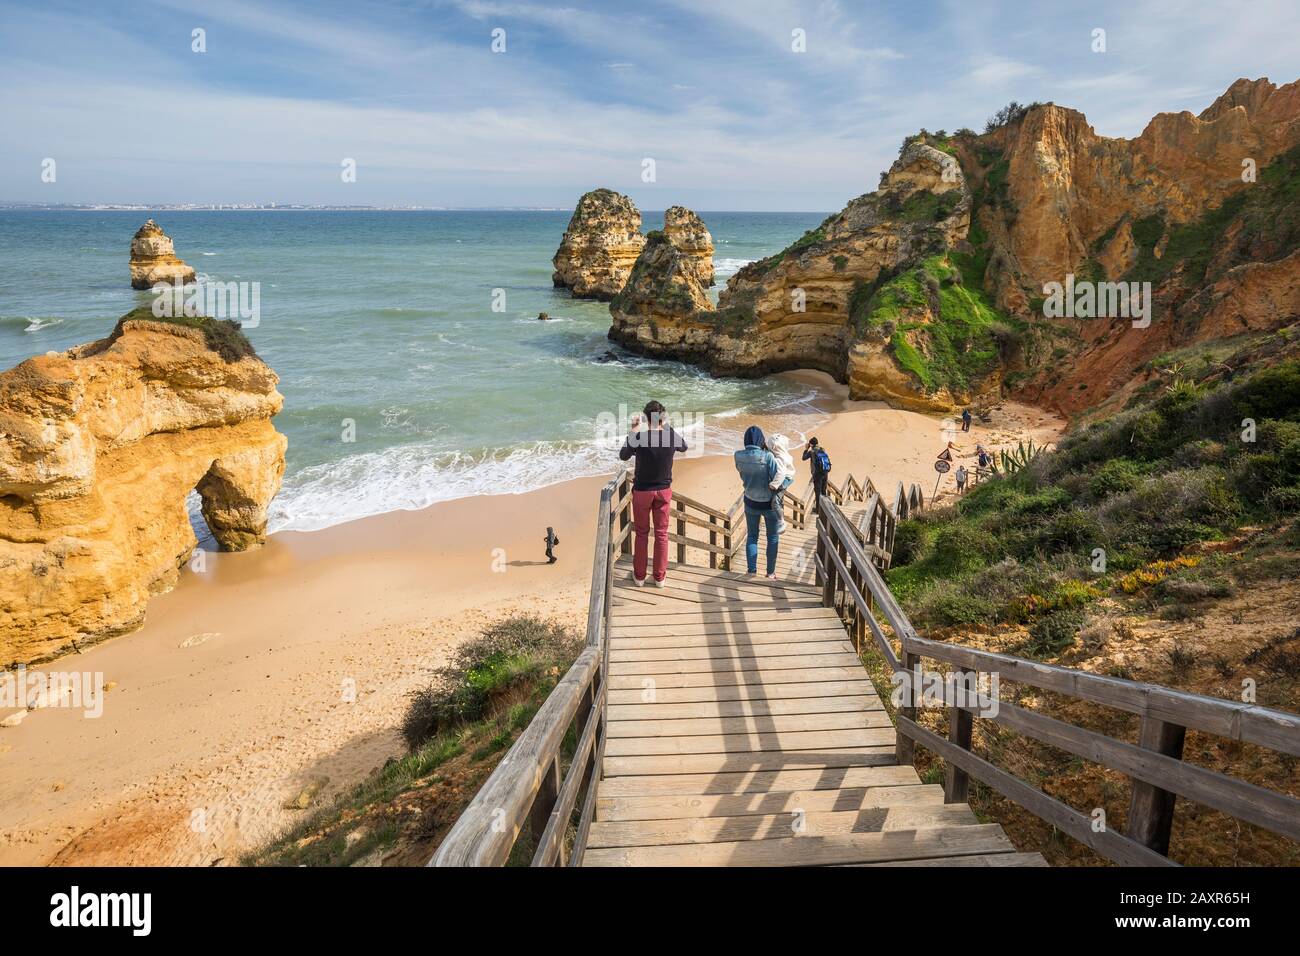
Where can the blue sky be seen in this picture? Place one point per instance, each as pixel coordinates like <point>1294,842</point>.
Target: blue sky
<point>710,89</point>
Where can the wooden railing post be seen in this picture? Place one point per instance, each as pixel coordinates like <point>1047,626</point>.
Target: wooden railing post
<point>624,508</point>
<point>1151,810</point>
<point>905,748</point>
<point>681,531</point>
<point>828,566</point>
<point>544,802</point>
<point>956,782</point>
<point>713,540</point>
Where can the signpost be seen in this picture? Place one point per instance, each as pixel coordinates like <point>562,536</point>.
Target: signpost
<point>941,466</point>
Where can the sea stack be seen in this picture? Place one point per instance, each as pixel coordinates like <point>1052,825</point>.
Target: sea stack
<point>687,232</point>
<point>153,259</point>
<point>99,448</point>
<point>600,246</point>
<point>664,309</point>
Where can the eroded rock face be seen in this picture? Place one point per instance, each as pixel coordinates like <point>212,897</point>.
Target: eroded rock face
<point>1070,187</point>
<point>153,259</point>
<point>663,308</point>
<point>600,246</point>
<point>687,232</point>
<point>99,448</point>
<point>792,310</point>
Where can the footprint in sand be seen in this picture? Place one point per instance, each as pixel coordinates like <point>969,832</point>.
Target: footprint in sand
<point>194,640</point>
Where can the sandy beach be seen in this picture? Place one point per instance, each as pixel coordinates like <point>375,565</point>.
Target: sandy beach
<point>286,669</point>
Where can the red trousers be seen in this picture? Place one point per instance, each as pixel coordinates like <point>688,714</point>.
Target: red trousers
<point>647,505</point>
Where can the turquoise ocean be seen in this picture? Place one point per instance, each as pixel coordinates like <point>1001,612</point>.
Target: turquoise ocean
<point>385,319</point>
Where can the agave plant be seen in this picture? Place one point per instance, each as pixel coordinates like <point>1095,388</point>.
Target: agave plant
<point>1024,453</point>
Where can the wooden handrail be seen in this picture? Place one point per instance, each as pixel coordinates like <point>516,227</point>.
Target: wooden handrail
<point>1154,764</point>
<point>527,787</point>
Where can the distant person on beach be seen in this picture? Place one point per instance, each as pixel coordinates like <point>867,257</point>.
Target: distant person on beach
<point>965,419</point>
<point>551,542</point>
<point>652,442</point>
<point>961,477</point>
<point>758,469</point>
<point>821,469</point>
<point>780,448</point>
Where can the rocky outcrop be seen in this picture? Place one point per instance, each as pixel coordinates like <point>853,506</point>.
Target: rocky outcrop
<point>663,308</point>
<point>793,310</point>
<point>600,246</point>
<point>153,259</point>
<point>687,232</point>
<point>1069,189</point>
<point>99,448</point>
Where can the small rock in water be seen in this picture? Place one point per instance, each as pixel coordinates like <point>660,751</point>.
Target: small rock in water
<point>608,356</point>
<point>543,317</point>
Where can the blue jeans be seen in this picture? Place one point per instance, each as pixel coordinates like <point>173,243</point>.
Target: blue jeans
<point>753,518</point>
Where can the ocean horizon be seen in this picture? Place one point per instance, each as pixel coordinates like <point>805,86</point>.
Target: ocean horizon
<point>403,386</point>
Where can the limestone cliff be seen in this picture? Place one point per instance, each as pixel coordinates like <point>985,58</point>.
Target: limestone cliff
<point>663,308</point>
<point>153,259</point>
<point>792,310</point>
<point>600,246</point>
<point>99,448</point>
<point>929,292</point>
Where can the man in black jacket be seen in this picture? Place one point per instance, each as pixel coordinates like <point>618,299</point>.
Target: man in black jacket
<point>652,442</point>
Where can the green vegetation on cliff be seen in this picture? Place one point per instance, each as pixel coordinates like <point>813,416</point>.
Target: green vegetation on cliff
<point>1269,215</point>
<point>223,336</point>
<point>942,331</point>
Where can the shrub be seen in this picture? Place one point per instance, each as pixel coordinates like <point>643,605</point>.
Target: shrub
<point>1051,635</point>
<point>482,669</point>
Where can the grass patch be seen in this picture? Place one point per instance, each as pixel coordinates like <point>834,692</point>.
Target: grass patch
<point>223,336</point>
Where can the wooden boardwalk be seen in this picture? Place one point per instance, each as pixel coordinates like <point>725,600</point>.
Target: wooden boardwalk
<point>743,731</point>
<point>727,720</point>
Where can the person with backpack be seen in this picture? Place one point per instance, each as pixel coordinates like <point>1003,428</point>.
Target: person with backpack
<point>965,419</point>
<point>652,443</point>
<point>821,469</point>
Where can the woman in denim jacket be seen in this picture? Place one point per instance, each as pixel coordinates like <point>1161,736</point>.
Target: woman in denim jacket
<point>757,467</point>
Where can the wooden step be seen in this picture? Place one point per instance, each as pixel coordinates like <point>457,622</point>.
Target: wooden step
<point>814,850</point>
<point>743,745</point>
<point>825,775</point>
<point>721,666</point>
<point>748,694</point>
<point>642,765</point>
<point>750,678</point>
<point>726,652</point>
<point>761,724</point>
<point>815,703</point>
<point>675,806</point>
<point>798,823</point>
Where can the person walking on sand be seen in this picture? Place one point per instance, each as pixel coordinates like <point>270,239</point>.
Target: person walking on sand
<point>652,442</point>
<point>965,419</point>
<point>821,469</point>
<point>758,469</point>
<point>961,477</point>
